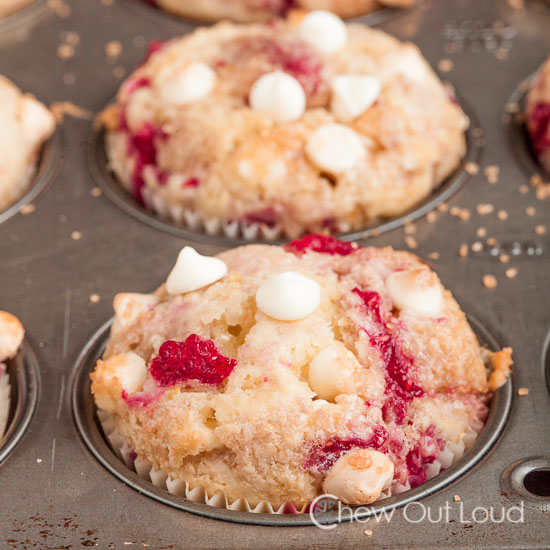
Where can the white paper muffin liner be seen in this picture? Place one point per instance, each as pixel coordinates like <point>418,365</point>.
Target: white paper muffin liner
<point>179,487</point>
<point>5,391</point>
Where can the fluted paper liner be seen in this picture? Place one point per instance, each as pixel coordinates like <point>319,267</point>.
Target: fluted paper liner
<point>5,391</point>
<point>179,487</point>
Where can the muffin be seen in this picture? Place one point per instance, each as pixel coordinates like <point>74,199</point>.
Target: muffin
<point>7,7</point>
<point>301,125</point>
<point>538,115</point>
<point>274,374</point>
<point>25,124</point>
<point>262,10</point>
<point>11,336</point>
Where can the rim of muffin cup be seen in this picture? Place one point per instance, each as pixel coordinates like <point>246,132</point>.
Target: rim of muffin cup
<point>23,15</point>
<point>88,422</point>
<point>23,376</point>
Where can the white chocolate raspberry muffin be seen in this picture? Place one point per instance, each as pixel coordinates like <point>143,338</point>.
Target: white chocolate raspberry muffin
<point>7,7</point>
<point>538,115</point>
<point>301,125</point>
<point>278,373</point>
<point>262,10</point>
<point>25,124</point>
<point>11,336</point>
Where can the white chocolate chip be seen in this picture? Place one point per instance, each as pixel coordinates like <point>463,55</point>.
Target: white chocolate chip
<point>191,84</point>
<point>352,95</point>
<point>288,296</point>
<point>128,306</point>
<point>335,148</point>
<point>193,271</point>
<point>324,31</point>
<point>416,291</point>
<point>359,476</point>
<point>333,371</point>
<point>278,95</point>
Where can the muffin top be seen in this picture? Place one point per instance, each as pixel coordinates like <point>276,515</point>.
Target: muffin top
<point>304,123</point>
<point>538,114</point>
<point>24,126</point>
<point>256,10</point>
<point>262,372</point>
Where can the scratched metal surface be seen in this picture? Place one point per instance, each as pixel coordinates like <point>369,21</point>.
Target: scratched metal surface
<point>54,494</point>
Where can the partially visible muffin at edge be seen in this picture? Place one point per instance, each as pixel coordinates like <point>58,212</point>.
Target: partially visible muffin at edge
<point>25,124</point>
<point>272,125</point>
<point>538,115</point>
<point>295,370</point>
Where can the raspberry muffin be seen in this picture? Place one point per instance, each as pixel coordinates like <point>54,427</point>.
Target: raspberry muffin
<point>7,7</point>
<point>11,336</point>
<point>301,125</point>
<point>538,115</point>
<point>25,124</point>
<point>274,374</point>
<point>262,10</point>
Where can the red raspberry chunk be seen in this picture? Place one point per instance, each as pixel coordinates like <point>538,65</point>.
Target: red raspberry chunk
<point>324,244</point>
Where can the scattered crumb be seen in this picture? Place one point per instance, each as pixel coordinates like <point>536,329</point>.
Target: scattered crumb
<point>512,108</point>
<point>39,460</point>
<point>489,281</point>
<point>119,72</point>
<point>139,41</point>
<point>483,209</point>
<point>431,217</point>
<point>368,532</point>
<point>511,272</point>
<point>443,207</point>
<point>530,211</point>
<point>95,298</point>
<point>445,65</point>
<point>410,229</point>
<point>463,250</point>
<point>504,258</point>
<point>523,189</point>
<point>96,192</point>
<point>491,241</point>
<point>61,108</point>
<point>60,7</point>
<point>491,173</point>
<point>411,242</point>
<point>27,209</point>
<point>501,54</point>
<point>523,391</point>
<point>433,255</point>
<point>70,37</point>
<point>76,235</point>
<point>457,498</point>
<point>477,247</point>
<point>113,48</point>
<point>62,218</point>
<point>535,180</point>
<point>461,213</point>
<point>481,232</point>
<point>65,51</point>
<point>472,168</point>
<point>540,229</point>
<point>542,191</point>
<point>502,215</point>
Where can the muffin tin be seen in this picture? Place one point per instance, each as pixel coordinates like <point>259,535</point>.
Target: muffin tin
<point>62,263</point>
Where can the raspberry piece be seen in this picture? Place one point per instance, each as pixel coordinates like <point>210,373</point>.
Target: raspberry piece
<point>427,449</point>
<point>399,387</point>
<point>539,127</point>
<point>194,359</point>
<point>323,244</point>
<point>323,456</point>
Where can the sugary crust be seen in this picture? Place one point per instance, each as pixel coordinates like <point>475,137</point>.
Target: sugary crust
<point>251,436</point>
<point>538,114</point>
<point>262,10</point>
<point>222,159</point>
<point>11,335</point>
<point>24,126</point>
<point>7,7</point>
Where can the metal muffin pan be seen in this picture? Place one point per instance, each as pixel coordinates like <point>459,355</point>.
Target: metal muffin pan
<point>107,181</point>
<point>61,265</point>
<point>88,425</point>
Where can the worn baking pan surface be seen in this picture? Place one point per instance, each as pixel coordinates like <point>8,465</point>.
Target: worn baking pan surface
<point>63,259</point>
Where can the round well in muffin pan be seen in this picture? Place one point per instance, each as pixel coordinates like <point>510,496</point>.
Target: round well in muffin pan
<point>106,179</point>
<point>517,130</point>
<point>88,425</point>
<point>147,9</point>
<point>24,381</point>
<point>44,171</point>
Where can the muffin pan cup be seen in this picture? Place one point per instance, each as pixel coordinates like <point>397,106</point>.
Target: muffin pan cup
<point>61,265</point>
